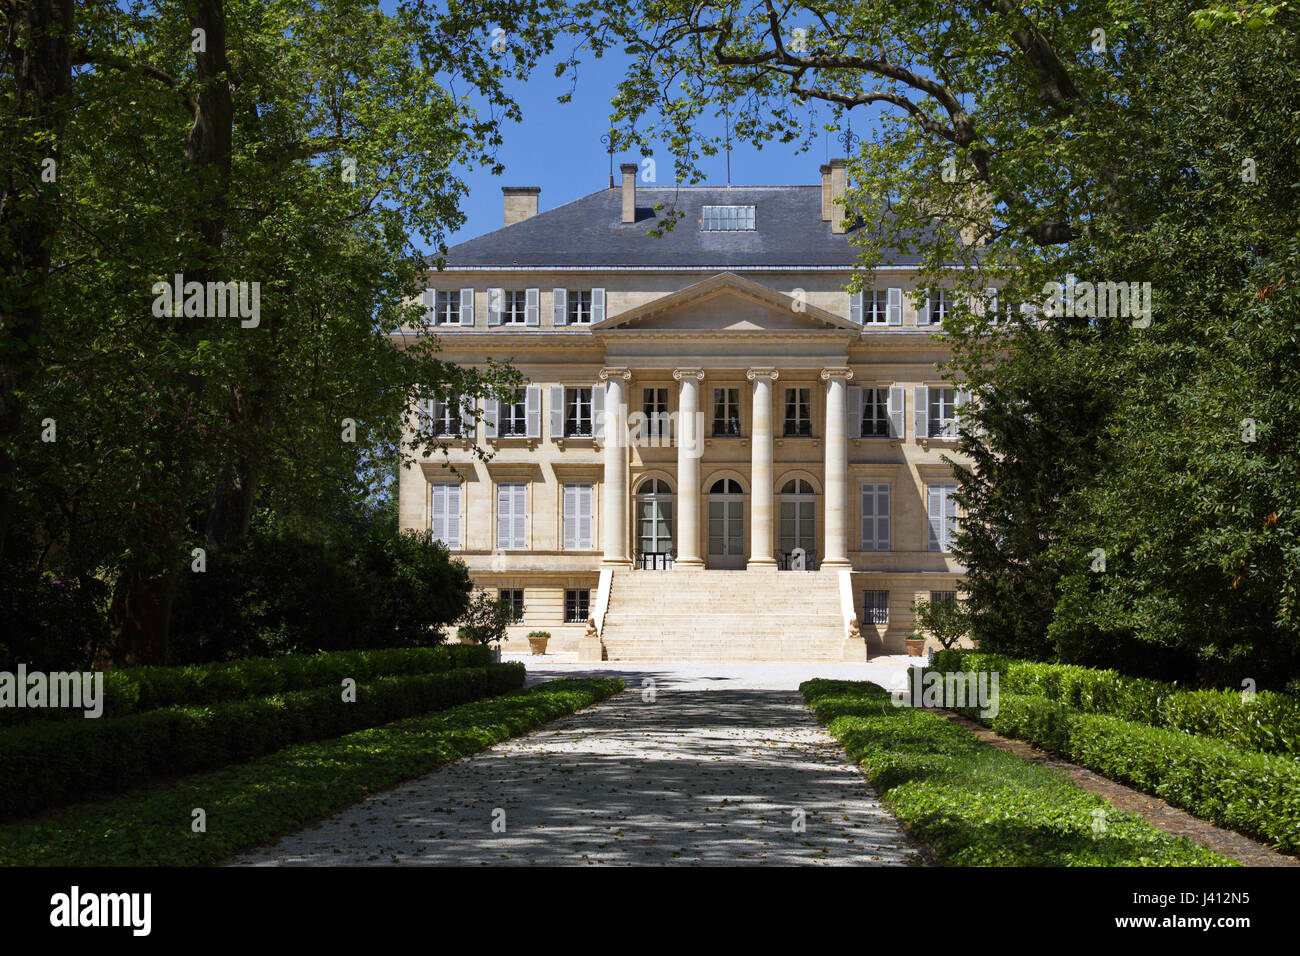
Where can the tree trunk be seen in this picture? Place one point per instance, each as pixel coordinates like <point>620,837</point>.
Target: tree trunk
<point>232,503</point>
<point>39,40</point>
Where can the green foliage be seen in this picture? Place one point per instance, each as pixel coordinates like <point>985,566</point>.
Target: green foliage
<point>54,762</point>
<point>280,592</point>
<point>975,805</point>
<point>947,621</point>
<point>256,802</point>
<point>486,618</point>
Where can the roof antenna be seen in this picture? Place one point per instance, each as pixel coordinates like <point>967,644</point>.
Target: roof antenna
<point>609,149</point>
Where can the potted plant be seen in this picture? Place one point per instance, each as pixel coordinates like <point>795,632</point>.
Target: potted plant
<point>915,642</point>
<point>485,622</point>
<point>537,642</point>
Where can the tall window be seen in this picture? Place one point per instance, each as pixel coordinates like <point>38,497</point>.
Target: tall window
<point>577,516</point>
<point>512,415</point>
<point>875,307</point>
<point>941,508</point>
<point>943,413</point>
<point>514,309</point>
<point>444,513</point>
<point>512,519</point>
<point>875,607</point>
<point>726,411</point>
<point>515,598</point>
<point>654,403</point>
<point>577,412</point>
<point>798,411</point>
<point>654,517</point>
<point>727,218</point>
<point>441,416</point>
<point>446,308</point>
<point>579,306</point>
<point>577,606</point>
<point>875,413</point>
<point>875,517</point>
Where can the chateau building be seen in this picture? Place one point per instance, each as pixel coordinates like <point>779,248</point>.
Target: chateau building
<point>718,452</point>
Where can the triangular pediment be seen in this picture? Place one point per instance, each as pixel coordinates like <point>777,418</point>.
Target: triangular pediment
<point>726,303</point>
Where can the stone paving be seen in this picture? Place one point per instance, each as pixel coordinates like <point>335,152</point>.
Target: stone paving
<point>694,763</point>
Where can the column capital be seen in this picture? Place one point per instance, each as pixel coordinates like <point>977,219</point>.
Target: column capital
<point>616,371</point>
<point>768,373</point>
<point>837,372</point>
<point>695,373</point>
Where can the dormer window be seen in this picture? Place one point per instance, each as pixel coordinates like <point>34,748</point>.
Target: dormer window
<point>727,219</point>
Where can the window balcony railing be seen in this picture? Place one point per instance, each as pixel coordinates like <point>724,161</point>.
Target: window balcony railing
<point>654,561</point>
<point>785,561</point>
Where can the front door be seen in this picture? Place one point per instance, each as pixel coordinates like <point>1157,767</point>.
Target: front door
<point>726,526</point>
<point>798,520</point>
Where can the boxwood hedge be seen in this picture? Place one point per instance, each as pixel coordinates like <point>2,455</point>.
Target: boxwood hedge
<point>134,690</point>
<point>1267,722</point>
<point>50,763</point>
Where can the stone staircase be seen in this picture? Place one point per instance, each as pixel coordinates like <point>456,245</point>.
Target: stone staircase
<point>724,615</point>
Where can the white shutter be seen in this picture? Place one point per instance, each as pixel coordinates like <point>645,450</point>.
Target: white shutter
<point>598,410</point>
<point>532,307</point>
<point>584,516</point>
<point>875,517</point>
<point>934,513</point>
<point>429,299</point>
<point>467,423</point>
<point>921,412</point>
<point>896,412</point>
<point>424,409</point>
<point>923,311</point>
<point>597,305</point>
<point>533,411</point>
<point>894,307</point>
<point>868,517</point>
<point>467,307</point>
<point>855,308</point>
<point>495,303</point>
<point>504,501</point>
<point>882,517</point>
<point>949,517</point>
<point>519,514</point>
<point>560,309</point>
<point>960,400</point>
<point>438,511</point>
<point>570,517</point>
<point>854,411</point>
<point>557,412</point>
<point>491,410</point>
<point>453,516</point>
<point>992,304</point>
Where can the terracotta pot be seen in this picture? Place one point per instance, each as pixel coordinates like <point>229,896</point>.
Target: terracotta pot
<point>915,646</point>
<point>537,645</point>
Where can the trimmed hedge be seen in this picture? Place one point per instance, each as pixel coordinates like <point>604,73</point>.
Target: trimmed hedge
<point>256,802</point>
<point>1253,793</point>
<point>47,764</point>
<point>1269,723</point>
<point>976,805</point>
<point>135,690</point>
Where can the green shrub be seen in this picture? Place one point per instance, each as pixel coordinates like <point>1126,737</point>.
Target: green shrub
<point>137,689</point>
<point>976,805</point>
<point>50,763</point>
<point>256,802</point>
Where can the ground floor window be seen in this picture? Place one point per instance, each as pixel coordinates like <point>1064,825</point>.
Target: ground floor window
<point>515,598</point>
<point>577,606</point>
<point>943,597</point>
<point>875,607</point>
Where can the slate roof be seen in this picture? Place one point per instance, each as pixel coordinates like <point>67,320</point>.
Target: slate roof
<point>588,232</point>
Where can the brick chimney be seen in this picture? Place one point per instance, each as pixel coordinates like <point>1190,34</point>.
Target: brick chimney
<point>520,202</point>
<point>835,186</point>
<point>629,190</point>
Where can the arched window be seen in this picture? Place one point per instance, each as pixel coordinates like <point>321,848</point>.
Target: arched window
<point>726,486</point>
<point>797,486</point>
<point>654,486</point>
<point>797,520</point>
<point>654,517</point>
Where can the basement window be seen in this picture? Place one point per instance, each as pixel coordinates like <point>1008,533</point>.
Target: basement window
<point>727,218</point>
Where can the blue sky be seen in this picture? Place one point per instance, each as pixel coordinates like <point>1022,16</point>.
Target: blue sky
<point>558,147</point>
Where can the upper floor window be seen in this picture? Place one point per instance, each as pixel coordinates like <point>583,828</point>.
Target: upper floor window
<point>875,307</point>
<point>442,416</point>
<point>514,310</point>
<point>654,404</point>
<point>875,412</point>
<point>726,411</point>
<point>943,413</point>
<point>727,218</point>
<point>446,308</point>
<point>798,411</point>
<point>579,305</point>
<point>512,419</point>
<point>577,412</point>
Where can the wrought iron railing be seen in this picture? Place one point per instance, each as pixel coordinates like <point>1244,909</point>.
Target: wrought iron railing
<point>655,561</point>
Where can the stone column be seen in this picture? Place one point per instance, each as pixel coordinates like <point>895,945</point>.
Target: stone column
<point>613,525</point>
<point>690,446</point>
<point>837,468</point>
<point>760,470</point>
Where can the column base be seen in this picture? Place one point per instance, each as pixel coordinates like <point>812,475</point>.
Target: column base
<point>836,564</point>
<point>621,563</point>
<point>761,564</point>
<point>688,564</point>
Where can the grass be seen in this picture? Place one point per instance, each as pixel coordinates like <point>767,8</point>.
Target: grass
<point>253,803</point>
<point>976,805</point>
